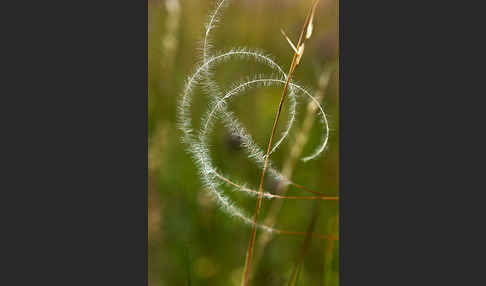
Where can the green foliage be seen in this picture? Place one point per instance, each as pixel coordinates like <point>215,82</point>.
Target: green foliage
<point>294,279</point>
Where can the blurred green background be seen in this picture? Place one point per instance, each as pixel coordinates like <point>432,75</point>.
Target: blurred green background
<point>191,241</point>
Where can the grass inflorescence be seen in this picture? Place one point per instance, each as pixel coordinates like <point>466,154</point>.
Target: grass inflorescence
<point>197,139</point>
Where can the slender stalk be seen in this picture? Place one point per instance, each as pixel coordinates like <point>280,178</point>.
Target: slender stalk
<point>289,164</point>
<point>329,253</point>
<point>295,61</point>
<point>170,41</point>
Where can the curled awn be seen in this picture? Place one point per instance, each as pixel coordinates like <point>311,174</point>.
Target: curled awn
<point>197,139</point>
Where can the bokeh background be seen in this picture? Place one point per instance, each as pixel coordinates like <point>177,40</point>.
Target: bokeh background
<point>191,241</point>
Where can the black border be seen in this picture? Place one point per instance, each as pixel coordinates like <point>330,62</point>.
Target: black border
<point>409,215</point>
<point>78,156</point>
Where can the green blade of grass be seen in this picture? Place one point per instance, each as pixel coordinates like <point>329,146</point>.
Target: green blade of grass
<point>294,278</point>
<point>187,264</point>
<point>329,251</point>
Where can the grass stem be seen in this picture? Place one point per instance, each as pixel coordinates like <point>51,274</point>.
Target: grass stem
<point>295,61</point>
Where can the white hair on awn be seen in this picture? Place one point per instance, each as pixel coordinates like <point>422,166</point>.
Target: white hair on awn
<point>198,143</point>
